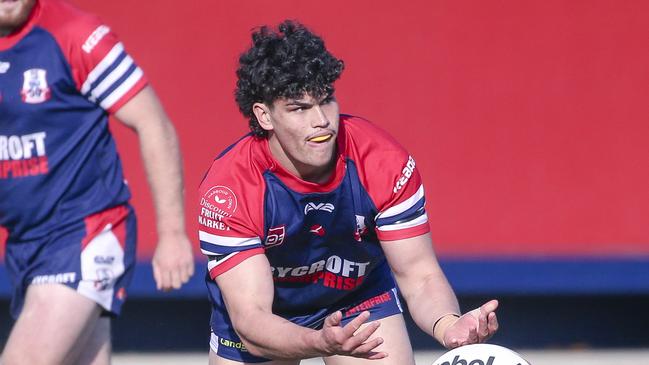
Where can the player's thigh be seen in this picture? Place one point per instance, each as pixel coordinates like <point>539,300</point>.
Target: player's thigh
<point>97,349</point>
<point>218,360</point>
<point>55,320</point>
<point>395,342</point>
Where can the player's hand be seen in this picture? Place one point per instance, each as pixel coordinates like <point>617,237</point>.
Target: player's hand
<point>348,340</point>
<point>475,326</point>
<point>173,262</point>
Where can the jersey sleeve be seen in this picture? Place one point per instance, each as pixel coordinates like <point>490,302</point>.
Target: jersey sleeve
<point>392,180</point>
<point>102,69</point>
<point>229,228</point>
<point>403,213</point>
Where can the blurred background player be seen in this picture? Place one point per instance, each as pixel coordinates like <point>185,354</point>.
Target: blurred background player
<point>71,232</point>
<point>307,220</point>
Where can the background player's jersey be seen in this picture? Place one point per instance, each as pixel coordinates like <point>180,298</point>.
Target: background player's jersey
<point>322,241</point>
<point>60,76</point>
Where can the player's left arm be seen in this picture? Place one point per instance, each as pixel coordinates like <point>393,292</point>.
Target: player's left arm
<point>173,261</point>
<point>431,300</point>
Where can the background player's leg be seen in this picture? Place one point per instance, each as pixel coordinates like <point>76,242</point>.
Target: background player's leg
<point>396,343</point>
<point>97,349</point>
<point>218,360</point>
<point>52,328</point>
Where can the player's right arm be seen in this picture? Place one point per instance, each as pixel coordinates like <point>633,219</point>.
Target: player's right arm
<point>247,290</point>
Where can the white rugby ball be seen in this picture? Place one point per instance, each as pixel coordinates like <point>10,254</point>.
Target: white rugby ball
<point>481,354</point>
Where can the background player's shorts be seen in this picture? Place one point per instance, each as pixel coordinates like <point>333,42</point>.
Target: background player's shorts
<point>95,257</point>
<point>227,344</point>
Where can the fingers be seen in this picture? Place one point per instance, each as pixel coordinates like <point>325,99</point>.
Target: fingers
<point>489,307</point>
<point>487,321</point>
<point>171,276</point>
<point>333,319</point>
<point>356,323</point>
<point>157,275</point>
<point>357,340</point>
<point>353,339</point>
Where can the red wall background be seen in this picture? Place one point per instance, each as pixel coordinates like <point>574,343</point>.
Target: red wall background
<point>528,119</point>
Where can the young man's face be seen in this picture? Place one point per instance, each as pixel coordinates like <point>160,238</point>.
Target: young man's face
<point>303,135</point>
<point>13,13</point>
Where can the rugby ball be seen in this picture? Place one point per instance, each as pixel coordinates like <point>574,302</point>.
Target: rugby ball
<point>481,354</point>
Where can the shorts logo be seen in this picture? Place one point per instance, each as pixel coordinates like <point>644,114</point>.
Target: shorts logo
<point>275,236</point>
<point>4,67</point>
<point>221,200</point>
<point>105,260</point>
<point>327,207</point>
<point>104,279</point>
<point>62,278</point>
<point>35,89</point>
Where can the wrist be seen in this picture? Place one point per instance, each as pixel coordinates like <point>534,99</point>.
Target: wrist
<point>314,344</point>
<point>442,324</point>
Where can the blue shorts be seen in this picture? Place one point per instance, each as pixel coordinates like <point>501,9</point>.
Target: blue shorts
<point>95,257</point>
<point>228,345</point>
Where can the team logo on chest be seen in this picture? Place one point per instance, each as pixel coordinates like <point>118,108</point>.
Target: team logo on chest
<point>310,206</point>
<point>361,228</point>
<point>35,89</point>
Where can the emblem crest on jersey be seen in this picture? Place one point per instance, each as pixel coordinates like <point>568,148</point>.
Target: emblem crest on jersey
<point>35,89</point>
<point>361,228</point>
<point>221,200</point>
<point>275,236</point>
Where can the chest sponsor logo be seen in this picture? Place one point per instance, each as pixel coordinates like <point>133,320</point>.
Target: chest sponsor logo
<point>361,228</point>
<point>22,156</point>
<point>333,272</point>
<point>406,173</point>
<point>94,38</point>
<point>4,67</point>
<point>275,236</point>
<point>35,89</point>
<point>218,202</point>
<point>310,206</point>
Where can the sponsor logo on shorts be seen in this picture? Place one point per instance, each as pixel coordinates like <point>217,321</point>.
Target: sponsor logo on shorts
<point>232,344</point>
<point>104,279</point>
<point>104,260</point>
<point>370,303</point>
<point>61,278</point>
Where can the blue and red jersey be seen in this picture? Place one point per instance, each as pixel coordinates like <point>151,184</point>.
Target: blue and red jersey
<point>322,240</point>
<point>61,75</point>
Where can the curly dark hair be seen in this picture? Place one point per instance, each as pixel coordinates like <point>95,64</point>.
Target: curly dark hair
<point>284,64</point>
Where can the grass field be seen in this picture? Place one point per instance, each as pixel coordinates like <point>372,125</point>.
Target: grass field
<point>535,357</point>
